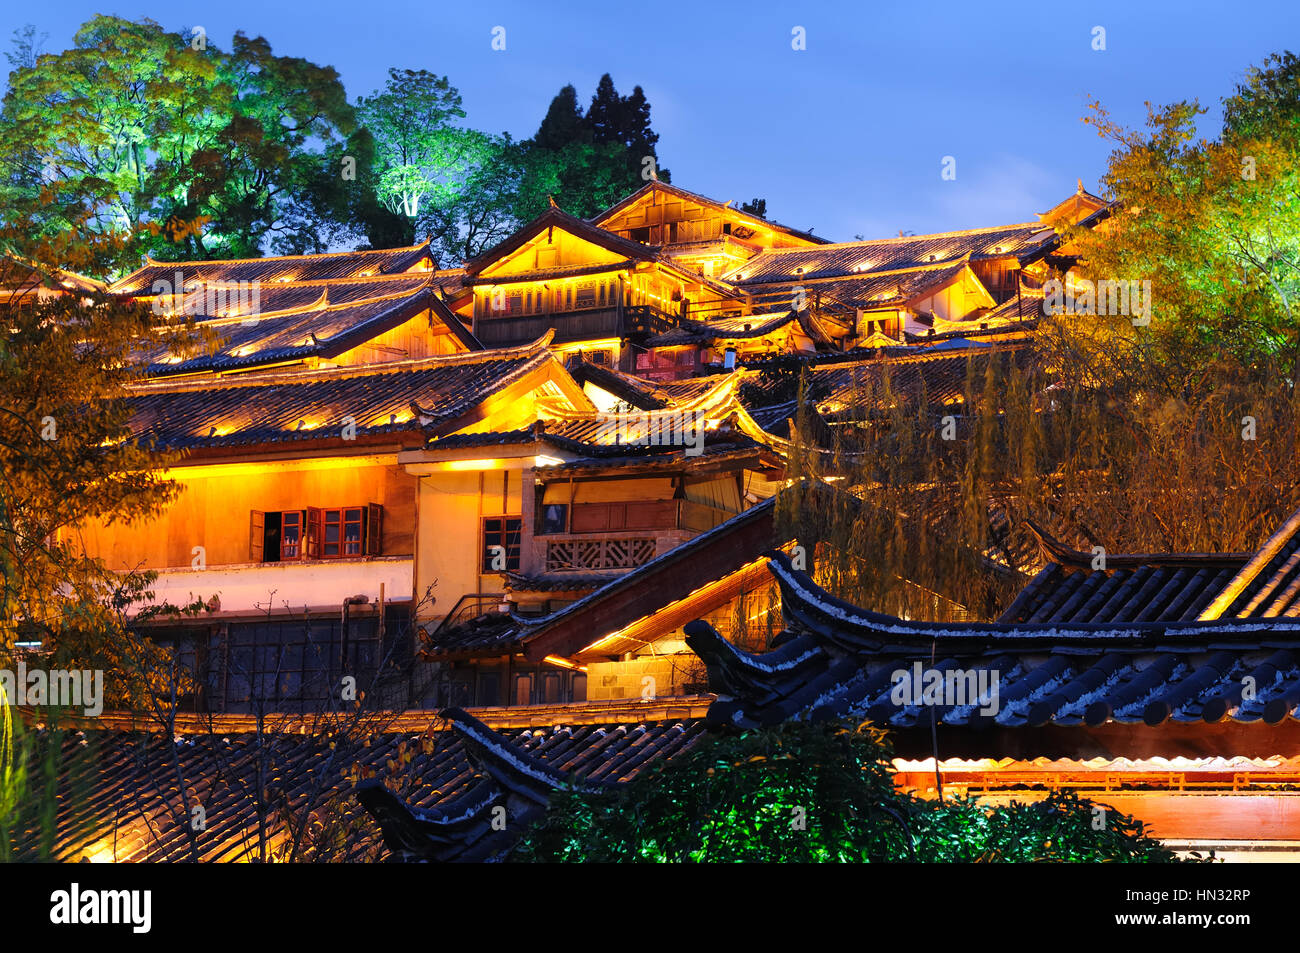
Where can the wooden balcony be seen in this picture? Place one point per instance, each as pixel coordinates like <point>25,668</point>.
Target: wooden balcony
<point>624,535</point>
<point>600,552</point>
<point>574,326</point>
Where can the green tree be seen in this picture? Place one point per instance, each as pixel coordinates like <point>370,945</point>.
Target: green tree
<point>164,137</point>
<point>564,123</point>
<point>1210,222</point>
<point>804,792</point>
<point>588,161</point>
<point>440,179</point>
<point>67,459</point>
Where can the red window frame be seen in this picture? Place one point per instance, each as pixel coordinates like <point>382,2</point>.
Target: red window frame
<point>338,532</point>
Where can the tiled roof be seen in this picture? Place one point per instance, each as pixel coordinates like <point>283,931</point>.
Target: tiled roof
<point>638,392</point>
<point>491,438</point>
<point>322,328</point>
<point>1130,589</point>
<point>704,200</point>
<point>381,398</point>
<point>1268,586</point>
<point>494,633</point>
<point>299,306</point>
<point>602,445</point>
<point>843,259</point>
<point>839,660</point>
<point>867,292</point>
<point>121,801</point>
<point>554,582</point>
<point>516,777</point>
<point>287,268</point>
<point>700,332</point>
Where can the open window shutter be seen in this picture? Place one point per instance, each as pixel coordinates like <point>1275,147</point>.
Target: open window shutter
<point>312,533</point>
<point>256,536</point>
<point>374,529</point>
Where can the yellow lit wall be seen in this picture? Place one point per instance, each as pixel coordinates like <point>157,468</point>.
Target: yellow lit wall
<point>213,511</point>
<point>452,507</point>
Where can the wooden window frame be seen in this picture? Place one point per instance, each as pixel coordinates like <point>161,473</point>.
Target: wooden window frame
<point>368,518</point>
<point>485,556</point>
<point>302,525</point>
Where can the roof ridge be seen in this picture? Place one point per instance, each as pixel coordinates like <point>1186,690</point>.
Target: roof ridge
<point>706,200</point>
<point>1248,573</point>
<point>426,276</point>
<point>903,239</point>
<point>324,254</point>
<point>538,348</point>
<point>1053,550</point>
<point>218,321</point>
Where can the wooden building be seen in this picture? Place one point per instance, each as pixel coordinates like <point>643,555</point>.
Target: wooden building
<point>374,454</point>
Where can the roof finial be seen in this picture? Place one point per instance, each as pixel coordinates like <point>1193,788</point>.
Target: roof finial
<point>1081,186</point>
<point>551,199</point>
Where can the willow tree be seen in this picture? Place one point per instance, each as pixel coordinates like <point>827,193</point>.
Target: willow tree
<point>897,500</point>
<point>1173,430</point>
<point>922,509</point>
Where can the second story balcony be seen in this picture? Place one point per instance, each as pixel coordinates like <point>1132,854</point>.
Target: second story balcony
<point>590,325</point>
<point>622,536</point>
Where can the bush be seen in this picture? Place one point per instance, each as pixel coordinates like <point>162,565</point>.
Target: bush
<point>815,792</point>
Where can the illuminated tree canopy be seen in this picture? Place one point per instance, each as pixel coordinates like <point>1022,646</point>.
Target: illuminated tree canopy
<point>1212,223</point>
<point>198,151</point>
<point>815,793</point>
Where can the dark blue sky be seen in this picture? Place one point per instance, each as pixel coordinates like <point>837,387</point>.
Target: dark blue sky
<point>846,136</point>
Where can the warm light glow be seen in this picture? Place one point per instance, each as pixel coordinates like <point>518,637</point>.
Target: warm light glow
<point>542,460</point>
<point>278,466</point>
<point>488,463</point>
<point>564,663</point>
<point>100,855</point>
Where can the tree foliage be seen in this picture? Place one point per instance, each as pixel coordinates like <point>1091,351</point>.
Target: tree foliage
<point>190,150</point>
<point>1177,435</point>
<point>588,161</point>
<point>67,460</point>
<point>814,793</point>
<point>1210,222</point>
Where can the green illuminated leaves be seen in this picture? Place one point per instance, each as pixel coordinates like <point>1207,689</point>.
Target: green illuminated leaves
<point>813,793</point>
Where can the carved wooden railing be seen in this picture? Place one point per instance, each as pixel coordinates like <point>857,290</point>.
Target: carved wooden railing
<point>619,552</point>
